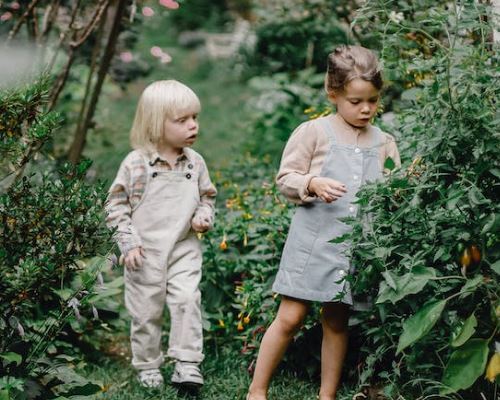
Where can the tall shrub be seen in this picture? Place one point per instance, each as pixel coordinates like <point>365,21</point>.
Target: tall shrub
<point>51,228</point>
<point>427,251</point>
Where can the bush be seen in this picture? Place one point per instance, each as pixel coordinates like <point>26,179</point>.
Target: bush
<point>292,36</point>
<point>428,250</point>
<point>52,226</point>
<point>282,104</point>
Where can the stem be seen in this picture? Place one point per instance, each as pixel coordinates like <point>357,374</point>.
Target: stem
<point>439,278</point>
<point>21,20</point>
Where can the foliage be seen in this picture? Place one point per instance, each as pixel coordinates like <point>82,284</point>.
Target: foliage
<point>427,251</point>
<point>200,14</point>
<point>243,249</point>
<point>241,258</point>
<point>282,104</point>
<point>51,229</point>
<point>293,35</point>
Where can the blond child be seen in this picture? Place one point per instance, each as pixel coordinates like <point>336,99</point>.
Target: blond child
<point>161,197</point>
<point>324,164</point>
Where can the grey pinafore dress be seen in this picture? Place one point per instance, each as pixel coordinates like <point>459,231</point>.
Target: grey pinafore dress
<point>311,267</point>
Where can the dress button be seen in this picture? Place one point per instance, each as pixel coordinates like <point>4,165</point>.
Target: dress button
<point>190,166</point>
<point>352,209</point>
<point>357,150</point>
<point>356,177</point>
<point>154,174</point>
<point>342,272</point>
<point>188,176</point>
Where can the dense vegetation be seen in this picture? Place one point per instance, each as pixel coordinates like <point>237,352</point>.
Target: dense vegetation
<point>426,254</point>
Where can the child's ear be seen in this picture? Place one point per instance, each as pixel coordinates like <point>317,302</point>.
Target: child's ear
<point>332,96</point>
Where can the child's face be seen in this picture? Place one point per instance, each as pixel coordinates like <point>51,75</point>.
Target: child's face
<point>357,103</point>
<point>181,131</point>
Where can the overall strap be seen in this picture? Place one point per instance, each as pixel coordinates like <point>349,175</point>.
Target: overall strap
<point>378,138</point>
<point>330,133</point>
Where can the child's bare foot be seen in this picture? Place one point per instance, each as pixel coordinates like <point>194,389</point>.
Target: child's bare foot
<point>251,396</point>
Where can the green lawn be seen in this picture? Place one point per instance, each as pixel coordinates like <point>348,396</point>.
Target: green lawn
<point>225,379</point>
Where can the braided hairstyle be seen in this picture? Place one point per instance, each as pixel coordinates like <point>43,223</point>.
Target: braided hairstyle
<point>347,63</point>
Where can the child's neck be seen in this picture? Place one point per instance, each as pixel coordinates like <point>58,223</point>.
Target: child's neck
<point>169,153</point>
<point>356,129</point>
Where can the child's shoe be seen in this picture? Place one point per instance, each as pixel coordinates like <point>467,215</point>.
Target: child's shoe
<point>187,374</point>
<point>150,378</point>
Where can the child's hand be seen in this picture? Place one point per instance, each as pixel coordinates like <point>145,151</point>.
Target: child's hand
<point>133,259</point>
<point>326,189</point>
<point>200,224</point>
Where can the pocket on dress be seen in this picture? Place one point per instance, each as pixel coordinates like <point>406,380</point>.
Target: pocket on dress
<point>299,243</point>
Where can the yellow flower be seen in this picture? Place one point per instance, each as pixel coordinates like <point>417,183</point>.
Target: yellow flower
<point>245,239</point>
<point>223,244</point>
<point>246,320</point>
<point>221,323</point>
<point>240,326</point>
<point>493,368</point>
<point>10,222</point>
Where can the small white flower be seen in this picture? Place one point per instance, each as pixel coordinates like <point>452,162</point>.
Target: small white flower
<point>20,329</point>
<point>74,303</point>
<point>396,17</point>
<point>95,313</point>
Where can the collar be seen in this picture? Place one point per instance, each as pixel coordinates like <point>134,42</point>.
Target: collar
<point>347,126</point>
<point>154,157</point>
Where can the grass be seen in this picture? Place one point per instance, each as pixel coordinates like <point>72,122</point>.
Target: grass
<point>225,379</point>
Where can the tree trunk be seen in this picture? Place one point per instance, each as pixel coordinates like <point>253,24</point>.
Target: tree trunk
<point>79,139</point>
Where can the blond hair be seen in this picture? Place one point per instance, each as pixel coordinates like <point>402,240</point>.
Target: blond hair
<point>347,63</point>
<point>160,100</point>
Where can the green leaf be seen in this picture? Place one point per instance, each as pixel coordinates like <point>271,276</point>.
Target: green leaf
<point>389,164</point>
<point>471,285</point>
<point>12,357</point>
<point>496,267</point>
<point>388,276</point>
<point>407,284</point>
<point>466,332</point>
<point>4,395</point>
<point>465,365</point>
<point>411,94</point>
<point>417,326</point>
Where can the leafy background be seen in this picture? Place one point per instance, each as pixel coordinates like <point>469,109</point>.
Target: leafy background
<point>426,255</point>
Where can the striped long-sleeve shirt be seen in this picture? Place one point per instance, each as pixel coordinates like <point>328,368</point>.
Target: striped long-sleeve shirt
<point>130,183</point>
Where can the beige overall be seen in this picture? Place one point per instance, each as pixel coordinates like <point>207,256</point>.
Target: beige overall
<point>170,273</point>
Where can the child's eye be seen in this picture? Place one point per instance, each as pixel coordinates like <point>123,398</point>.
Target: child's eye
<point>354,102</point>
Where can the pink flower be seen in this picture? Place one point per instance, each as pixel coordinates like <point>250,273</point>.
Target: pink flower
<point>15,5</point>
<point>148,11</point>
<point>171,4</point>
<point>6,16</point>
<point>165,58</point>
<point>156,51</point>
<point>126,56</point>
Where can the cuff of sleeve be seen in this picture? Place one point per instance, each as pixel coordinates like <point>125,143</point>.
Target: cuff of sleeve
<point>204,213</point>
<point>304,194</point>
<point>129,243</point>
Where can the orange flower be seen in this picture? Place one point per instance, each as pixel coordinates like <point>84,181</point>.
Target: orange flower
<point>223,244</point>
<point>240,326</point>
